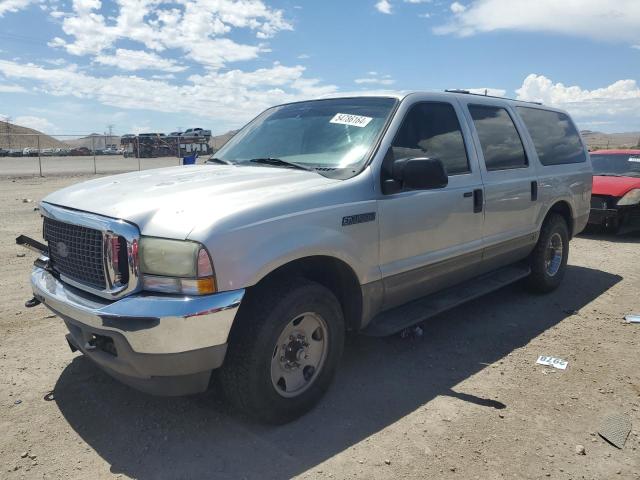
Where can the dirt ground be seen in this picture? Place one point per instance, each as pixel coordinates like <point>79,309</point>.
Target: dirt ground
<point>466,400</point>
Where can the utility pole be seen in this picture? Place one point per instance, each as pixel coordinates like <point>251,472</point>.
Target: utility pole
<point>110,127</point>
<point>8,130</point>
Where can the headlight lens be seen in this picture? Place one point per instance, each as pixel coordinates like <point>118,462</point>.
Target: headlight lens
<point>632,197</point>
<point>176,266</point>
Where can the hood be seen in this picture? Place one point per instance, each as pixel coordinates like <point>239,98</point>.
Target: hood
<point>614,186</point>
<point>171,202</point>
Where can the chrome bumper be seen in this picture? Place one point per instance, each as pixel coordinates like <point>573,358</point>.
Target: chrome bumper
<point>150,324</point>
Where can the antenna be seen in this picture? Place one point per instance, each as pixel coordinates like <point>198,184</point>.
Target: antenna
<point>486,94</point>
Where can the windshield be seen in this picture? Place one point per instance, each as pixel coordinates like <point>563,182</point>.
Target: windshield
<point>333,136</point>
<point>627,165</point>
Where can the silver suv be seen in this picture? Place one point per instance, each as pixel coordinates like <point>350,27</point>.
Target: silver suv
<point>367,214</point>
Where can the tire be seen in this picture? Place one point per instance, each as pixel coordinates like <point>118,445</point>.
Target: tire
<point>548,265</point>
<point>254,378</point>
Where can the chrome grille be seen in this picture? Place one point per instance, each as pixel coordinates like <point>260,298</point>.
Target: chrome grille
<point>76,252</point>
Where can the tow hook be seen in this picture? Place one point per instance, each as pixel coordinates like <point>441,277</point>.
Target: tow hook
<point>34,302</point>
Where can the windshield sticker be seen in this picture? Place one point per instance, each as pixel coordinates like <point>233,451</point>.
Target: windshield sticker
<point>634,159</point>
<point>353,120</point>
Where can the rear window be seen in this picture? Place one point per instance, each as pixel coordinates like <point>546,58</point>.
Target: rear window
<point>556,139</point>
<point>500,141</point>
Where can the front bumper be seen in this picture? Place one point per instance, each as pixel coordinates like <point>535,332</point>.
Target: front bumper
<point>604,217</point>
<point>160,344</point>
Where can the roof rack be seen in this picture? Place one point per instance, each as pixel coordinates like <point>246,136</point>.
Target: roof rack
<point>467,92</point>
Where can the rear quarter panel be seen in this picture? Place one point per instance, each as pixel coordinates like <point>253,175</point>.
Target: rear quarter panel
<point>571,183</point>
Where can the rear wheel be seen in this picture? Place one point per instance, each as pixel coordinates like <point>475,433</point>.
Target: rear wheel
<point>283,350</point>
<point>549,258</point>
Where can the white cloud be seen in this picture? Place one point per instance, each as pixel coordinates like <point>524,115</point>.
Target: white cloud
<point>37,123</point>
<point>136,129</point>
<point>303,56</point>
<point>457,7</point>
<point>619,101</point>
<point>9,6</point>
<point>384,6</point>
<point>163,76</point>
<point>597,19</point>
<point>132,60</point>
<point>6,88</point>
<point>197,27</point>
<point>233,96</point>
<point>417,1</point>
<point>373,78</point>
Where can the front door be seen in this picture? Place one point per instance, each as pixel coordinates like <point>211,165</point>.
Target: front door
<point>431,239</point>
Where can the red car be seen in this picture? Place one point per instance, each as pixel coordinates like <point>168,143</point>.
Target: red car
<point>615,200</point>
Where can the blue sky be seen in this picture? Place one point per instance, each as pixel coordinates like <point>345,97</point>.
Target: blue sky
<point>76,66</point>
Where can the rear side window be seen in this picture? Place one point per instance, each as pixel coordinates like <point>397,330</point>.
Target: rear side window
<point>556,139</point>
<point>431,129</point>
<point>501,145</point>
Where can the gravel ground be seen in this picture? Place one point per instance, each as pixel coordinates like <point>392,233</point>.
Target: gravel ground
<point>466,400</point>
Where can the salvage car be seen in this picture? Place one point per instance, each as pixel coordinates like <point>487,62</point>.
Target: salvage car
<point>196,132</point>
<point>615,200</point>
<point>364,214</point>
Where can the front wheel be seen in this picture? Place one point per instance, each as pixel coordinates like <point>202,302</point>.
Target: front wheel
<point>284,350</point>
<point>549,258</point>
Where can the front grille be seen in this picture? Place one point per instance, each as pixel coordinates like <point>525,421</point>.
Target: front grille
<point>76,252</point>
<point>602,202</point>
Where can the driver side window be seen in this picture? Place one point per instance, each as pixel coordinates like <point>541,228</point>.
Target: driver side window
<point>432,129</point>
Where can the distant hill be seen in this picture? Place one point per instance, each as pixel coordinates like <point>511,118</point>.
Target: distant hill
<point>95,140</point>
<point>598,140</point>
<point>218,141</point>
<point>13,137</point>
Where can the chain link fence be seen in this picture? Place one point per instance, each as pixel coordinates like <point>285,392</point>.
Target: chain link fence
<point>26,154</point>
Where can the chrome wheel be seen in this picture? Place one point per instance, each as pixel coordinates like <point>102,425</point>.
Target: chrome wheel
<point>299,354</point>
<point>553,254</point>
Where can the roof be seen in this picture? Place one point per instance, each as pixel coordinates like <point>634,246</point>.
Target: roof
<point>402,94</point>
<point>620,151</point>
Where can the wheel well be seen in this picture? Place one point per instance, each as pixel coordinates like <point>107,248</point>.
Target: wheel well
<point>331,273</point>
<point>564,209</point>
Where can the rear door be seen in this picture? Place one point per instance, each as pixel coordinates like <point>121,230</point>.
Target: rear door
<point>510,182</point>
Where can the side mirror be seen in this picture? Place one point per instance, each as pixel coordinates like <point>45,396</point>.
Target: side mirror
<point>420,173</point>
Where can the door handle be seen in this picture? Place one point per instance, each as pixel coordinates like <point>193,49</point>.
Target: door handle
<point>534,191</point>
<point>477,200</point>
<point>467,194</point>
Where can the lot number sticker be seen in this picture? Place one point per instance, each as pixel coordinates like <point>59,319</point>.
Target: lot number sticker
<point>353,120</point>
<point>552,361</point>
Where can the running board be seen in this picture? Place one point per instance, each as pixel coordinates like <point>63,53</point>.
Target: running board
<point>399,318</point>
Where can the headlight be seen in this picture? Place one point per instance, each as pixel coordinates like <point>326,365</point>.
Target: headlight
<point>632,197</point>
<point>176,266</point>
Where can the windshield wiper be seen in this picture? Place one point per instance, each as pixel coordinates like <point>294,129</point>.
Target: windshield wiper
<point>219,160</point>
<point>280,163</point>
